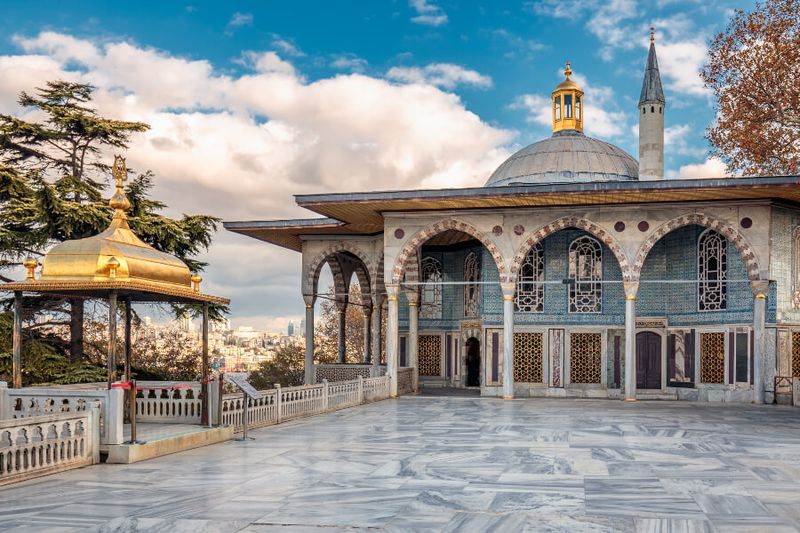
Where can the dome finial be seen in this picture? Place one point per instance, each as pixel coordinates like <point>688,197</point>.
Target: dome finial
<point>119,201</point>
<point>652,34</point>
<point>567,71</point>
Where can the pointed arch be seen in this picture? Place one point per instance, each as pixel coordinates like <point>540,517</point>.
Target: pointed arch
<point>419,238</point>
<point>699,219</point>
<point>328,255</point>
<point>588,226</point>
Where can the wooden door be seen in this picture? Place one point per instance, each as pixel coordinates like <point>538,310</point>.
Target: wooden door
<point>648,360</point>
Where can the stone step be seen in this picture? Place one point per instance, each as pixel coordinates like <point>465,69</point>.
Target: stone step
<point>656,395</point>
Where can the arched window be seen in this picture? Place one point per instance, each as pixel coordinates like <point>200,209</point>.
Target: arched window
<point>796,268</point>
<point>557,109</point>
<point>567,106</point>
<point>712,269</point>
<point>585,271</point>
<point>530,293</point>
<point>431,301</point>
<point>578,107</point>
<point>472,289</point>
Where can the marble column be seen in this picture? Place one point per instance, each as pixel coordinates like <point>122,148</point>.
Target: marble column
<point>367,322</point>
<point>413,335</point>
<point>760,290</point>
<point>508,339</point>
<point>631,290</point>
<point>112,337</point>
<point>392,338</point>
<point>309,363</point>
<point>16,342</point>
<point>377,325</point>
<point>341,352</point>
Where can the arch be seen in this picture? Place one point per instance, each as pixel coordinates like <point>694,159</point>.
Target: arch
<point>723,228</point>
<point>572,222</point>
<point>413,244</point>
<point>315,265</point>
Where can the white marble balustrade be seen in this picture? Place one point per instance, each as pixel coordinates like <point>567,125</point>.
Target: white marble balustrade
<point>35,402</point>
<point>161,402</point>
<point>289,403</point>
<point>38,445</point>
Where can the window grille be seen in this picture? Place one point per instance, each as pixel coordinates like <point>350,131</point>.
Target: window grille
<point>585,271</point>
<point>431,301</point>
<point>712,254</point>
<point>529,297</point>
<point>472,275</point>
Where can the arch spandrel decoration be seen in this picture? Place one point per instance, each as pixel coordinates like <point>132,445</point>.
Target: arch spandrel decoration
<point>723,228</point>
<point>572,222</point>
<point>413,244</point>
<point>368,273</point>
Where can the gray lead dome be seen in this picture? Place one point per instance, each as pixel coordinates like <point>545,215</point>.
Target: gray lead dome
<point>566,157</point>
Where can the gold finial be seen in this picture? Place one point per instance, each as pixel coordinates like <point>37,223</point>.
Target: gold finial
<point>567,71</point>
<point>30,264</point>
<point>652,34</point>
<point>119,201</point>
<point>196,279</point>
<point>113,266</point>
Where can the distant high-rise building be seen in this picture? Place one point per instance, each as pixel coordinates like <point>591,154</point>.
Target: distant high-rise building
<point>290,329</point>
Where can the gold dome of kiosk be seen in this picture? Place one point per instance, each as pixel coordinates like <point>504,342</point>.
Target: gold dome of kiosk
<point>116,253</point>
<point>115,259</point>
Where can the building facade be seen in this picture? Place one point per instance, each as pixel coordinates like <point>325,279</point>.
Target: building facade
<point>576,271</point>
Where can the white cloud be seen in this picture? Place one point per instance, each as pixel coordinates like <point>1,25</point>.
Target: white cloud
<point>444,75</point>
<point>680,63</point>
<point>287,46</point>
<point>602,116</point>
<point>266,62</point>
<point>237,21</point>
<point>240,146</point>
<point>608,24</point>
<point>676,141</point>
<point>428,14</point>
<point>350,62</point>
<point>710,168</point>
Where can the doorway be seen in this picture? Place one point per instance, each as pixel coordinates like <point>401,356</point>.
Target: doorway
<point>648,360</point>
<point>473,362</point>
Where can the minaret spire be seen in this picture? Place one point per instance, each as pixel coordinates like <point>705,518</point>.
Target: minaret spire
<point>651,118</point>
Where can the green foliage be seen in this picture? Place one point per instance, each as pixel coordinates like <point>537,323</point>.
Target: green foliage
<point>286,368</point>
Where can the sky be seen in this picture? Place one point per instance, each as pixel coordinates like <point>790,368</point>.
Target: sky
<point>253,102</point>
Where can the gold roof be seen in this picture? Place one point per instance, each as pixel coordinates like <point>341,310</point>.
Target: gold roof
<point>115,259</point>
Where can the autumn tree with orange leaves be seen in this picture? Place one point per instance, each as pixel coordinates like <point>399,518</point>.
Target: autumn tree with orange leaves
<point>754,71</point>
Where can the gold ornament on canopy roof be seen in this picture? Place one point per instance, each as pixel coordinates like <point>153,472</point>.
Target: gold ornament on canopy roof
<point>115,259</point>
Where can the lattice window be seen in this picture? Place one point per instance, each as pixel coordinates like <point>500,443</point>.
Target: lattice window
<point>472,289</point>
<point>429,355</point>
<point>431,301</point>
<point>528,355</point>
<point>796,353</point>
<point>585,357</point>
<point>712,357</point>
<point>530,294</point>
<point>585,271</point>
<point>712,257</point>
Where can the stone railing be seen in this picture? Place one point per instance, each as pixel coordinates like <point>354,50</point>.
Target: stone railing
<point>34,402</point>
<point>38,445</point>
<point>168,402</point>
<point>405,380</point>
<point>288,403</point>
<point>333,373</point>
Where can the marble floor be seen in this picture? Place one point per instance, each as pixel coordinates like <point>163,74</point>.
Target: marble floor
<point>453,464</point>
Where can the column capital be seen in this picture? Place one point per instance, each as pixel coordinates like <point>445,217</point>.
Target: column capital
<point>760,288</point>
<point>412,296</point>
<point>392,292</point>
<point>631,289</point>
<point>309,299</point>
<point>508,288</point>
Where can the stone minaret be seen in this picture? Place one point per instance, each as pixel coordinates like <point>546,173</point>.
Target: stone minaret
<point>651,119</point>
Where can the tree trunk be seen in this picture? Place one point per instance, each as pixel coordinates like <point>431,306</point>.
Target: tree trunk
<point>76,330</point>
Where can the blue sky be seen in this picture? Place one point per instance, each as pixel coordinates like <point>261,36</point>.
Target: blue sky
<point>426,93</point>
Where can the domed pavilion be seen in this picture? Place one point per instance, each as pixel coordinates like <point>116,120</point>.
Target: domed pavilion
<point>577,270</point>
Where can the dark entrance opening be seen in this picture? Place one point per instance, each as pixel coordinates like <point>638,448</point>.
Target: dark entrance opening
<point>473,362</point>
<point>648,360</point>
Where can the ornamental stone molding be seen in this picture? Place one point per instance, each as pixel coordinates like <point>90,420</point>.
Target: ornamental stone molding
<point>723,228</point>
<point>366,272</point>
<point>412,246</point>
<point>571,222</point>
